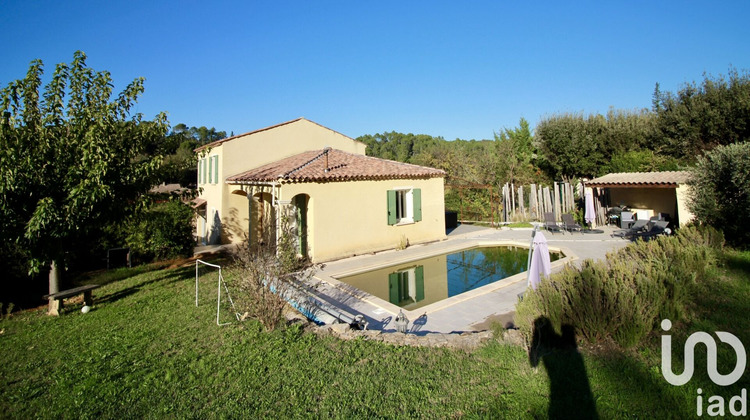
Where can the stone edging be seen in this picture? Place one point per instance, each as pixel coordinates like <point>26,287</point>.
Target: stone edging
<point>467,341</point>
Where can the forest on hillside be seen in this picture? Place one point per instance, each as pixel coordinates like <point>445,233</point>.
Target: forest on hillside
<point>680,127</point>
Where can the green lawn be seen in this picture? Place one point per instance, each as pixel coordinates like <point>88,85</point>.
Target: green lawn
<point>147,351</point>
<point>519,225</point>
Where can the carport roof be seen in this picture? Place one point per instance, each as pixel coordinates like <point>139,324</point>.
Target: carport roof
<point>666,179</point>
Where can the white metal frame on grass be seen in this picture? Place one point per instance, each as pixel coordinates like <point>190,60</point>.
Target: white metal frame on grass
<point>218,292</point>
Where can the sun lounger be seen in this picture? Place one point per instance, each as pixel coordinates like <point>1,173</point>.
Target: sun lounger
<point>657,228</point>
<point>638,226</point>
<point>569,224</point>
<point>550,224</point>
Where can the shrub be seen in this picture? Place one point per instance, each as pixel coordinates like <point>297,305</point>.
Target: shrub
<point>163,231</point>
<point>265,275</point>
<point>640,161</point>
<point>261,281</point>
<point>625,296</point>
<point>579,215</point>
<point>720,195</point>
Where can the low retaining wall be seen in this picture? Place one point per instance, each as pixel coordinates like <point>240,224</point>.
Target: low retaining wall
<point>467,341</point>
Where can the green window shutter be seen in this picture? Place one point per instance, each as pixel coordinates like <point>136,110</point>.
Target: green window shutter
<point>210,169</point>
<point>200,172</point>
<point>203,177</point>
<point>417,198</point>
<point>216,169</point>
<point>419,274</point>
<point>301,205</point>
<point>393,288</point>
<point>392,207</point>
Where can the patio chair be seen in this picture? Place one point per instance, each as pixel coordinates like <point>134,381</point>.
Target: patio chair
<point>638,226</point>
<point>569,224</point>
<point>613,216</point>
<point>626,219</point>
<point>657,228</point>
<point>550,224</point>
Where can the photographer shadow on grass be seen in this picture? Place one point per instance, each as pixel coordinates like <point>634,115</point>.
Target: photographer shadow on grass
<point>570,392</point>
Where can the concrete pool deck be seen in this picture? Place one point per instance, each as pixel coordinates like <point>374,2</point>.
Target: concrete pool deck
<point>470,311</point>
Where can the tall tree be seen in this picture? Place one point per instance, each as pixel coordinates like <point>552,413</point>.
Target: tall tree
<point>73,159</point>
<point>720,194</point>
<point>179,159</point>
<point>575,145</point>
<point>569,143</point>
<point>514,153</point>
<point>702,116</point>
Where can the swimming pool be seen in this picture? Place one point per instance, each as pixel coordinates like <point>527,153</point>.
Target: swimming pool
<point>422,282</point>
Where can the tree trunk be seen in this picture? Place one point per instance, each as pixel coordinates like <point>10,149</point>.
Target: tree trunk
<point>55,277</point>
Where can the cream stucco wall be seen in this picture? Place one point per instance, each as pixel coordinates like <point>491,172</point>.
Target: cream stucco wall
<point>685,215</point>
<point>247,152</point>
<point>212,192</point>
<point>250,151</point>
<point>237,216</point>
<point>660,200</point>
<point>349,218</point>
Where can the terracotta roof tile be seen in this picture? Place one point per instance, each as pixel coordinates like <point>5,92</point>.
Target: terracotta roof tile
<point>342,166</point>
<point>633,179</point>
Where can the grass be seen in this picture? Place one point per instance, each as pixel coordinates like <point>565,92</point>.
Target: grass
<point>519,225</point>
<point>147,351</point>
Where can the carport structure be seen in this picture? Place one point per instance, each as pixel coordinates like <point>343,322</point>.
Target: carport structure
<point>647,194</point>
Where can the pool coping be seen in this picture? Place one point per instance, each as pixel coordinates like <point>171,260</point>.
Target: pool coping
<point>331,277</point>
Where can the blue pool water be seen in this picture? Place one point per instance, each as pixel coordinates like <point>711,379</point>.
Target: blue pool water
<point>477,267</point>
<point>422,282</point>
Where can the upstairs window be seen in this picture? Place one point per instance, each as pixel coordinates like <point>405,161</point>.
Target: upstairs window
<point>216,169</point>
<point>208,170</point>
<point>202,171</point>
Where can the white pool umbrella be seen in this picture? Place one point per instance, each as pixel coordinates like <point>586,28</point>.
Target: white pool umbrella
<point>590,214</point>
<point>540,264</point>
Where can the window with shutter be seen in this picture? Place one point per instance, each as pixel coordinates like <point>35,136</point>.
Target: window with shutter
<point>404,206</point>
<point>417,201</point>
<point>210,169</point>
<point>392,219</point>
<point>216,169</point>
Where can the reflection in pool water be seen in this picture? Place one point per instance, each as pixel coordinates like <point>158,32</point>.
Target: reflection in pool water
<point>419,283</point>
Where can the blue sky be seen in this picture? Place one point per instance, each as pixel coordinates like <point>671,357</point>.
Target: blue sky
<point>452,69</point>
